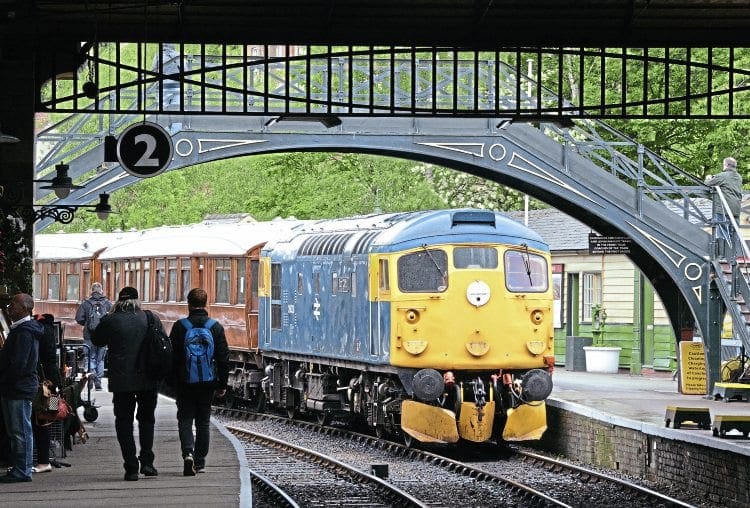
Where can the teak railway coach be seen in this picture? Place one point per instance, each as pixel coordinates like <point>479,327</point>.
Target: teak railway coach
<point>435,325</point>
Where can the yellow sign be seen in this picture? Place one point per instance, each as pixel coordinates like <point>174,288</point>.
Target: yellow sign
<point>692,368</point>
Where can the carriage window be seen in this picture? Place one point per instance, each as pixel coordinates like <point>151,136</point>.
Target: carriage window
<point>475,257</point>
<point>37,284</point>
<point>53,282</point>
<point>525,272</point>
<point>276,296</point>
<point>383,275</point>
<point>254,282</point>
<point>160,280</point>
<point>73,282</point>
<point>145,295</point>
<point>222,280</point>
<point>241,281</point>
<point>184,278</point>
<point>423,271</point>
<point>172,287</point>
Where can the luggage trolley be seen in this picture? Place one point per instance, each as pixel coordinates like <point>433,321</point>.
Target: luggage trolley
<point>78,358</point>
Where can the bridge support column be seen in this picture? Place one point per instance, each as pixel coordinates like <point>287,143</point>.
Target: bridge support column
<point>16,169</point>
<point>712,338</point>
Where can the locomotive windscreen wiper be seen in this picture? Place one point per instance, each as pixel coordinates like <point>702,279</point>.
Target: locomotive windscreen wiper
<point>437,267</point>
<point>527,263</point>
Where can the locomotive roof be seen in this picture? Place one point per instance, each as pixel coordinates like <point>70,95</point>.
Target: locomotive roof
<point>395,231</point>
<point>217,238</point>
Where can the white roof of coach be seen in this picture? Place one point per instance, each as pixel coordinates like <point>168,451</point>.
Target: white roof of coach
<point>213,238</point>
<point>73,246</point>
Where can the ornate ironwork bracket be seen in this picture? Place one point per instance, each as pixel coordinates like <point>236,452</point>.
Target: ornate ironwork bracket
<point>62,214</point>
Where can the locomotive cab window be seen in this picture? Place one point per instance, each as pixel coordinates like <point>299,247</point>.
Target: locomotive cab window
<point>475,257</point>
<point>525,272</point>
<point>423,271</point>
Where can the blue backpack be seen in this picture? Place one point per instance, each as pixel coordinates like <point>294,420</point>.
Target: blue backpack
<point>199,352</point>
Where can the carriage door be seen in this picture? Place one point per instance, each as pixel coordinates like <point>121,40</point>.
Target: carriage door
<point>380,309</point>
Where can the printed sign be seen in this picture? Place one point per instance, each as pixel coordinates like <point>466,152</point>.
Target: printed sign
<point>609,244</point>
<point>692,368</point>
<point>144,149</point>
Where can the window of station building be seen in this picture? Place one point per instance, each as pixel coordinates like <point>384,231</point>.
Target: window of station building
<point>475,257</point>
<point>423,271</point>
<point>172,280</point>
<point>161,277</point>
<point>241,281</point>
<point>354,284</point>
<point>73,282</point>
<point>184,278</point>
<point>53,282</point>
<point>276,296</point>
<point>591,294</point>
<point>383,281</point>
<point>316,282</point>
<point>525,272</point>
<point>222,269</point>
<point>335,284</point>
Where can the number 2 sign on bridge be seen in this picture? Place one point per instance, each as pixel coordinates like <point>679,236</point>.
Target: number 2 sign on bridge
<point>144,149</point>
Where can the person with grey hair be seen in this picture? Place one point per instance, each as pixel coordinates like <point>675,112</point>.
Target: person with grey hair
<point>124,331</point>
<point>88,315</point>
<point>730,183</point>
<point>19,383</point>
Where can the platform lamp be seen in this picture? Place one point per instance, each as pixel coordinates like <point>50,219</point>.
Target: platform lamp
<point>66,213</point>
<point>62,184</point>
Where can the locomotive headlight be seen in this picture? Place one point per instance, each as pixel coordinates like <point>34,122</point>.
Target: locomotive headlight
<point>537,317</point>
<point>412,316</point>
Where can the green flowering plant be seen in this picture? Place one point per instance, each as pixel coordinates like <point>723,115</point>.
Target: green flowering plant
<point>16,261</point>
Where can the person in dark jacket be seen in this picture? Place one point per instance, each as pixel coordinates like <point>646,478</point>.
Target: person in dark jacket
<point>194,400</point>
<point>123,330</point>
<point>83,317</point>
<point>48,369</point>
<point>19,383</point>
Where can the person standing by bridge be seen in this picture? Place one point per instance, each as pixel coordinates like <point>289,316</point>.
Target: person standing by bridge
<point>730,183</point>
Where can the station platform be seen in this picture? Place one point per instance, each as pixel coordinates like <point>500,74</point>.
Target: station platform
<point>640,402</point>
<point>95,475</point>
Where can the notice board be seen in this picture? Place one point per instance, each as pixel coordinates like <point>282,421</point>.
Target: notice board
<point>692,368</point>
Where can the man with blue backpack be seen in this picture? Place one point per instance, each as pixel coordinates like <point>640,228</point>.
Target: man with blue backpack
<point>200,368</point>
<point>88,315</point>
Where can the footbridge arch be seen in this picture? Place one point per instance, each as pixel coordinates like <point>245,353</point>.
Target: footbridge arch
<point>614,186</point>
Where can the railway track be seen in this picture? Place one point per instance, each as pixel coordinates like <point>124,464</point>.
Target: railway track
<point>492,481</point>
<point>427,483</point>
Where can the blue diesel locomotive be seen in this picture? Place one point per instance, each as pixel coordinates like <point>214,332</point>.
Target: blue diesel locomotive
<point>436,325</point>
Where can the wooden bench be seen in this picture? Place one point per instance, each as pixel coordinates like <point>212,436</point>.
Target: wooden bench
<point>700,417</point>
<point>732,391</point>
<point>724,423</point>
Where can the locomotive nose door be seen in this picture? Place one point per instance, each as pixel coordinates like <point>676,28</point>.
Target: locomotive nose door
<point>380,308</point>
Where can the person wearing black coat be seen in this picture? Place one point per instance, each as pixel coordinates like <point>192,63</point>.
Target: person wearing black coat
<point>19,383</point>
<point>49,369</point>
<point>123,330</point>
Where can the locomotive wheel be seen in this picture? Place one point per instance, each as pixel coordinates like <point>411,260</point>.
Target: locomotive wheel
<point>258,402</point>
<point>90,414</point>
<point>409,441</point>
<point>324,418</point>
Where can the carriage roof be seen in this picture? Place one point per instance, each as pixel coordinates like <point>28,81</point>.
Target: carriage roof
<point>212,238</point>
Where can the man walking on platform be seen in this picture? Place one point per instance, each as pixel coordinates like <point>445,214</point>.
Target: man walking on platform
<point>89,315</point>
<point>19,383</point>
<point>124,331</point>
<point>200,368</point>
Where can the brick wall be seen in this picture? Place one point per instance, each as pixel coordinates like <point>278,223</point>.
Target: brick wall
<point>720,476</point>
